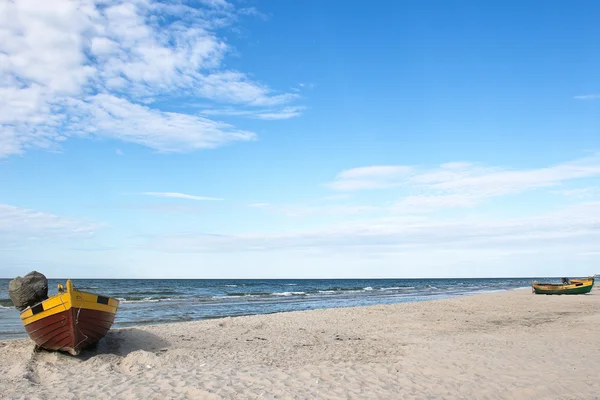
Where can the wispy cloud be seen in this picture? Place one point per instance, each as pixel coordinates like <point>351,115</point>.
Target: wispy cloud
<point>318,208</point>
<point>574,226</point>
<point>117,118</point>
<point>373,177</point>
<point>306,211</point>
<point>303,86</point>
<point>422,203</point>
<point>253,11</point>
<point>24,223</point>
<point>452,185</point>
<point>284,113</point>
<point>170,208</point>
<point>460,184</point>
<point>119,152</point>
<point>94,67</point>
<point>264,114</point>
<point>259,205</point>
<point>176,195</point>
<point>580,193</point>
<point>594,96</point>
<point>337,196</point>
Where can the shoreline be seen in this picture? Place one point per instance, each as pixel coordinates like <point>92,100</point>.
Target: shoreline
<point>505,345</point>
<point>23,335</point>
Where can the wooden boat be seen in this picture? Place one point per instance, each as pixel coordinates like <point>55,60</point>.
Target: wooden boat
<point>71,320</point>
<point>575,286</point>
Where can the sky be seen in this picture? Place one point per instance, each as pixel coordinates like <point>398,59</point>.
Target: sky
<point>299,139</point>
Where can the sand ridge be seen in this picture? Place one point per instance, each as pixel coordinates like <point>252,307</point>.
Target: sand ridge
<point>508,345</point>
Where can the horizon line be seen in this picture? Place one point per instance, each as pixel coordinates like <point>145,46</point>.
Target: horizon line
<point>300,279</point>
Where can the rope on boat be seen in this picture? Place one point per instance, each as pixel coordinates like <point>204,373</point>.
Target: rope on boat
<point>77,325</point>
<point>79,331</point>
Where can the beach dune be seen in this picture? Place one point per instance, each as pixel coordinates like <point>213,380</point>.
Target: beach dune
<point>507,345</point>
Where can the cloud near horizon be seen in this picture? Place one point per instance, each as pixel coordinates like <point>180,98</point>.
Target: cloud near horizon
<point>411,233</point>
<point>459,184</point>
<point>576,227</point>
<point>408,190</point>
<point>176,195</point>
<point>18,224</point>
<point>93,68</point>
<point>408,225</point>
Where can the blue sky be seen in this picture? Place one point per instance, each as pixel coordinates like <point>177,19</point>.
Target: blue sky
<point>282,139</point>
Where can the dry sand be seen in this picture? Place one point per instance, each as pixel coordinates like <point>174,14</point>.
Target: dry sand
<point>509,345</point>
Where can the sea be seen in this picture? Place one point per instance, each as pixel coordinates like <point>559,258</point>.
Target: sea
<point>157,301</point>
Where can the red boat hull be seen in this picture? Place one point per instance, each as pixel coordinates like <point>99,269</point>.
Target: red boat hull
<point>72,330</point>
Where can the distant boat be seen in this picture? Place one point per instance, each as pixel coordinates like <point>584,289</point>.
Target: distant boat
<point>574,286</point>
<point>71,320</point>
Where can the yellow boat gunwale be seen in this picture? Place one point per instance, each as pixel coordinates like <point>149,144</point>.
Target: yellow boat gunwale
<point>65,300</point>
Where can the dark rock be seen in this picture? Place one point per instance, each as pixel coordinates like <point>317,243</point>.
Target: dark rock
<point>28,290</point>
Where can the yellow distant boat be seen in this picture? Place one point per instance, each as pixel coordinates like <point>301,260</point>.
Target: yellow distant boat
<point>574,286</point>
<point>71,320</point>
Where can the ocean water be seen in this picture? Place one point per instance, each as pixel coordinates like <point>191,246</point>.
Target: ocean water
<point>146,301</point>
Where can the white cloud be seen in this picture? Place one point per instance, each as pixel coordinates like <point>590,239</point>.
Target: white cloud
<point>176,195</point>
<point>577,227</point>
<point>284,113</point>
<point>69,65</point>
<point>259,205</point>
<point>110,116</point>
<point>454,185</point>
<point>305,211</point>
<point>594,96</point>
<point>460,184</point>
<point>457,165</point>
<point>260,113</point>
<point>170,208</point>
<point>338,196</point>
<point>254,12</point>
<point>465,176</point>
<point>498,182</point>
<point>373,177</point>
<point>318,209</point>
<point>420,203</point>
<point>119,152</point>
<point>235,87</point>
<point>18,223</point>
<point>376,172</point>
<point>580,193</point>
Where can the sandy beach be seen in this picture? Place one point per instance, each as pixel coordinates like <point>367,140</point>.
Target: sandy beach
<point>506,345</point>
